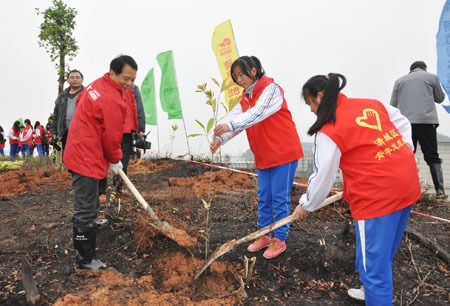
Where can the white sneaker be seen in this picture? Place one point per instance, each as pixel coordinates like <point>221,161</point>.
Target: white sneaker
<point>357,293</point>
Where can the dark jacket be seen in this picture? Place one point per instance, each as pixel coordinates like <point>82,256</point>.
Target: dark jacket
<point>59,113</point>
<point>139,109</point>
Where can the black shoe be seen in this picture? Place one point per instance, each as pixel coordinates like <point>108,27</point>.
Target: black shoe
<point>84,243</point>
<point>438,180</point>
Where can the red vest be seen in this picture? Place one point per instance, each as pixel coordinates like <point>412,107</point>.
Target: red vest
<point>38,140</point>
<point>130,123</point>
<point>273,141</point>
<point>379,169</point>
<point>48,134</point>
<point>29,141</point>
<point>16,134</point>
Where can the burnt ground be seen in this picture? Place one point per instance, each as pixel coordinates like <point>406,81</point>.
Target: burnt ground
<point>148,268</point>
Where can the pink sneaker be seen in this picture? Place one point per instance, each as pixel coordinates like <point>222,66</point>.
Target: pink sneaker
<point>259,244</point>
<point>276,248</point>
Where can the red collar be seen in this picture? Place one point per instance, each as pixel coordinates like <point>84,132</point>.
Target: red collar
<point>113,83</point>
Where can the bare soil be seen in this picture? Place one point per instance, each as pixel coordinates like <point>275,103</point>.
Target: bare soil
<point>147,268</point>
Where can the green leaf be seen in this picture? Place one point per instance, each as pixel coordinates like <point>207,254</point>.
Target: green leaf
<point>201,124</point>
<point>225,107</point>
<point>225,84</point>
<point>214,105</point>
<point>209,94</point>
<point>206,205</point>
<point>194,135</point>
<point>216,82</point>
<point>204,237</point>
<point>201,87</point>
<point>210,124</point>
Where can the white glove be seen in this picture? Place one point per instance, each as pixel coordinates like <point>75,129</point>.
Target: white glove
<point>115,167</point>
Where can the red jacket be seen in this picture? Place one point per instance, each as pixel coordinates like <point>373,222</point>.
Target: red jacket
<point>131,121</point>
<point>379,169</point>
<point>96,130</point>
<point>274,141</point>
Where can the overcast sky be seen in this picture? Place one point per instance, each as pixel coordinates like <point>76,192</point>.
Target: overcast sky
<point>371,42</point>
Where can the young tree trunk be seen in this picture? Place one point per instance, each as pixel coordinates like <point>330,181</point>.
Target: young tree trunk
<point>62,72</point>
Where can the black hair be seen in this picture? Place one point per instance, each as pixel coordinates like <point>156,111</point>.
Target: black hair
<point>36,124</point>
<point>16,126</point>
<point>27,121</point>
<point>246,63</point>
<point>75,71</point>
<point>1,129</point>
<point>329,85</point>
<point>117,64</point>
<point>418,64</point>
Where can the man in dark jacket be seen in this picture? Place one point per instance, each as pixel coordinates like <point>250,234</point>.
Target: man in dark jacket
<point>65,106</point>
<point>93,145</point>
<point>415,95</point>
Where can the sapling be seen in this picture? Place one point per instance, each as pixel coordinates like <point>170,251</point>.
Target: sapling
<point>213,102</point>
<point>174,128</point>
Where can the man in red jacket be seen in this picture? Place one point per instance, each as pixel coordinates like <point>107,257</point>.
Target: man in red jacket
<point>93,145</point>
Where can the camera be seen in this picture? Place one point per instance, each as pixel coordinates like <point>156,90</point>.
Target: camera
<point>140,141</point>
<point>54,144</point>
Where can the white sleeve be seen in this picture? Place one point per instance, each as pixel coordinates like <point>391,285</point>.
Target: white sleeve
<point>10,135</point>
<point>269,102</point>
<point>327,157</point>
<point>37,133</point>
<point>401,123</point>
<point>235,112</point>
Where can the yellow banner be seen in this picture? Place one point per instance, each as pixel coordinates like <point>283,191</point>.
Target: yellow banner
<point>224,47</point>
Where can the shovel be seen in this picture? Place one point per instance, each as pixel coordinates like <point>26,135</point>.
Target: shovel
<point>228,246</point>
<point>179,236</point>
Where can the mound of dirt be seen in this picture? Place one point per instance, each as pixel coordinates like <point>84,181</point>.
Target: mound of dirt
<point>221,182</point>
<point>174,285</point>
<point>147,166</point>
<point>17,183</point>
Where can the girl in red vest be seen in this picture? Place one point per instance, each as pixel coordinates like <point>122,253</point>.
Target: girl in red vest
<point>38,132</point>
<point>371,143</point>
<point>263,113</point>
<point>26,139</point>
<point>13,136</point>
<point>2,141</point>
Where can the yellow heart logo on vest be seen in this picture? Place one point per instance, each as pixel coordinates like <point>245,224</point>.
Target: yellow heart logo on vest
<point>370,119</point>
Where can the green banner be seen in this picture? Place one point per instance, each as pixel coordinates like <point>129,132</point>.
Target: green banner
<point>149,98</point>
<point>168,91</point>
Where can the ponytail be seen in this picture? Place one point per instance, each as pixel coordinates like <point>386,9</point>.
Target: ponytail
<point>330,85</point>
<point>246,64</point>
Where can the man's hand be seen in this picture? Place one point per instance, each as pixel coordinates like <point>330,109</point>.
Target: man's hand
<point>215,145</point>
<point>299,213</point>
<point>221,129</point>
<point>115,167</point>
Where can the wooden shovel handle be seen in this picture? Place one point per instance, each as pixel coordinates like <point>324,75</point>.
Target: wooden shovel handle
<point>228,246</point>
<point>138,196</point>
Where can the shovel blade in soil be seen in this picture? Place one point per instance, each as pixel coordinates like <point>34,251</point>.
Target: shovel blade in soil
<point>179,236</point>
